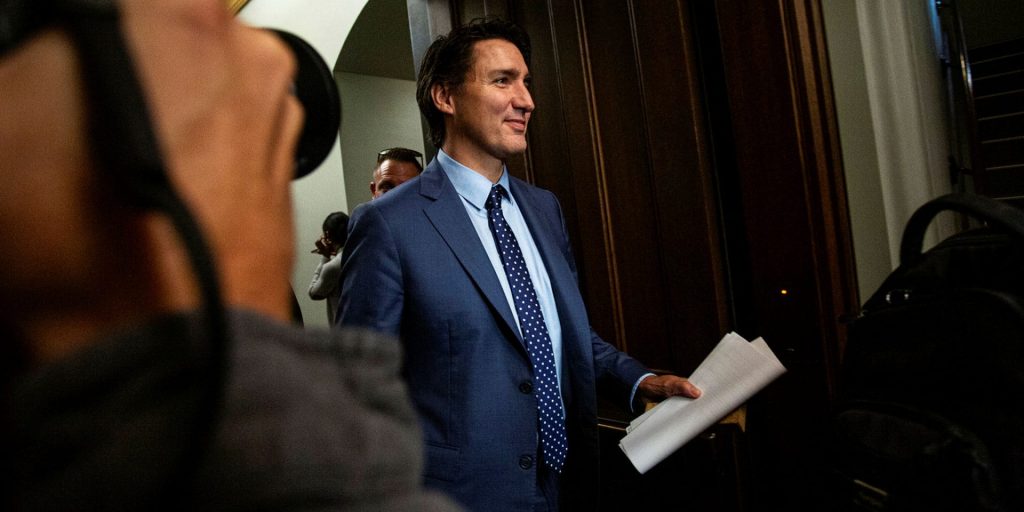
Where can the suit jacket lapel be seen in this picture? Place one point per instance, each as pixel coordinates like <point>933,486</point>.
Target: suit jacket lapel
<point>449,218</point>
<point>545,228</point>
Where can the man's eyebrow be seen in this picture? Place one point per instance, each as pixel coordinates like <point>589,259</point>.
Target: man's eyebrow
<point>507,71</point>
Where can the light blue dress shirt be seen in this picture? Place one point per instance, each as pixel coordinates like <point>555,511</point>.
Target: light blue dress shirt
<point>473,188</point>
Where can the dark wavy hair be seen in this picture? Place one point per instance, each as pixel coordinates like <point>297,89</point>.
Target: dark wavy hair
<point>449,58</point>
<point>336,227</point>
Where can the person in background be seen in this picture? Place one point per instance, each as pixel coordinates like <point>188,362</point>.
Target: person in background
<point>328,272</point>
<point>472,270</point>
<point>120,391</point>
<point>394,167</point>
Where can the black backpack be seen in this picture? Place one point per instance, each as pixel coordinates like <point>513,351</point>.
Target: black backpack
<point>930,415</point>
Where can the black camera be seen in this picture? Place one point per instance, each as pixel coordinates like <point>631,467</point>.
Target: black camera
<point>315,88</point>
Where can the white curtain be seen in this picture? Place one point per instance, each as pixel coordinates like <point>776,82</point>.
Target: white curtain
<point>905,90</point>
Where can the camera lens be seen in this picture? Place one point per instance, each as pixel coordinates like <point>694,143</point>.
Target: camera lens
<point>318,93</point>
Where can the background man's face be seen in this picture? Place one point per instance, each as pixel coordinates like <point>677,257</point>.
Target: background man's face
<point>390,174</point>
<point>492,107</point>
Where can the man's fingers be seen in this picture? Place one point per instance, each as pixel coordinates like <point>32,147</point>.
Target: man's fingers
<point>689,390</point>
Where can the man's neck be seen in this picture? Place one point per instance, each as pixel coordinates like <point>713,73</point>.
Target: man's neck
<point>478,161</point>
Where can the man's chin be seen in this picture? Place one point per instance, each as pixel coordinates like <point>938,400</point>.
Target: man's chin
<point>515,147</point>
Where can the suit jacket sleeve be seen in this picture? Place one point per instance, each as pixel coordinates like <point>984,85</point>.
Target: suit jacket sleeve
<point>371,275</point>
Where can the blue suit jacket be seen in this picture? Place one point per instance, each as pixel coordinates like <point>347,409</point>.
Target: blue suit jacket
<point>415,267</point>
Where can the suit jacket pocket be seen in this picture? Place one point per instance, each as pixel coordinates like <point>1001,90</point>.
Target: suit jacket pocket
<point>444,463</point>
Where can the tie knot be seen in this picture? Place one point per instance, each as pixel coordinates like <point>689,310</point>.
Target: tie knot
<point>494,198</point>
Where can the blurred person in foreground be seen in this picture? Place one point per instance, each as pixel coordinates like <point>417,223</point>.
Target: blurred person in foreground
<point>114,395</point>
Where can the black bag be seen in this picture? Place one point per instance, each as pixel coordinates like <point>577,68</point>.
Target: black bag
<point>931,409</point>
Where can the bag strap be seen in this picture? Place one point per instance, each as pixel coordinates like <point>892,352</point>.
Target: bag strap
<point>1009,218</point>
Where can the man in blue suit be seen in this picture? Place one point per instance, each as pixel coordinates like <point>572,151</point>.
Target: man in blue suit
<point>489,323</point>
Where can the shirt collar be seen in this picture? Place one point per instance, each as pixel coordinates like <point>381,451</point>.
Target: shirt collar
<point>469,184</point>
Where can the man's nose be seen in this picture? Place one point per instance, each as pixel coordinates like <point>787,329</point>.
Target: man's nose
<point>522,99</point>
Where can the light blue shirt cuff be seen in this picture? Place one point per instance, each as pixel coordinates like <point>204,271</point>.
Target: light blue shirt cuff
<point>636,386</point>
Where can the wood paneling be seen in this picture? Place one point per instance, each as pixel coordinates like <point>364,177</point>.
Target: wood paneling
<point>790,184</point>
<point>619,139</point>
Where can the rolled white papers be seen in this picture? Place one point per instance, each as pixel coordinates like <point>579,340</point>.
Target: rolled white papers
<point>734,371</point>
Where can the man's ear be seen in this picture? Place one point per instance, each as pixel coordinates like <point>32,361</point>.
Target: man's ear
<point>443,99</point>
<point>373,188</point>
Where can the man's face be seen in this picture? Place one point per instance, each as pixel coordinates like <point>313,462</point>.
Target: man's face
<point>390,174</point>
<point>492,107</point>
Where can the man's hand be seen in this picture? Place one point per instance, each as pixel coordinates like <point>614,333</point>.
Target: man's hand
<point>660,387</point>
<point>220,95</point>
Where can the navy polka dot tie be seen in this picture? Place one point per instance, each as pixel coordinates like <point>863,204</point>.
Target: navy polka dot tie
<point>531,323</point>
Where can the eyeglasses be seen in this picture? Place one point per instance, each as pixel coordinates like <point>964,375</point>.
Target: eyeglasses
<point>401,154</point>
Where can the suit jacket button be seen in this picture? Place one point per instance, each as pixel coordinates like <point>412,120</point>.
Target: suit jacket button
<point>526,461</point>
<point>526,387</point>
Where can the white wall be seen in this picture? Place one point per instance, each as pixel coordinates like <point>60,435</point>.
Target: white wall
<point>324,24</point>
<point>886,77</point>
<point>860,161</point>
<point>379,113</point>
